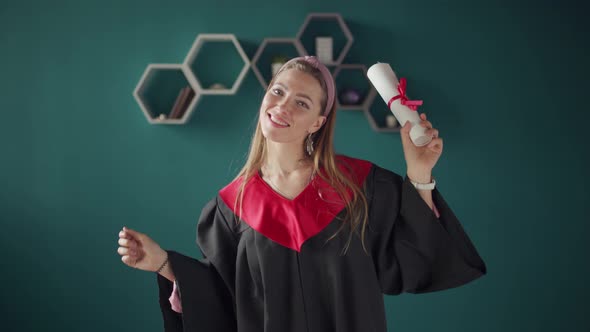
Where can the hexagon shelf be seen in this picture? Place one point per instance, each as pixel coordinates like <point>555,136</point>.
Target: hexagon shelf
<point>335,35</point>
<point>354,89</point>
<point>222,53</point>
<point>271,51</point>
<point>165,95</point>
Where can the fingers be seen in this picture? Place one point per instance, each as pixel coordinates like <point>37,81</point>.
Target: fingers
<point>126,256</point>
<point>124,235</point>
<point>131,232</point>
<point>128,250</point>
<point>127,243</point>
<point>130,256</point>
<point>432,132</point>
<point>129,246</point>
<point>132,236</point>
<point>405,132</point>
<point>129,260</point>
<point>436,145</point>
<point>124,251</point>
<point>425,123</point>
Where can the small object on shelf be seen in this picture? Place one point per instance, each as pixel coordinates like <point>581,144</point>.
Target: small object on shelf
<point>324,49</point>
<point>186,100</point>
<point>185,103</point>
<point>326,25</point>
<point>181,101</point>
<point>355,91</point>
<point>349,96</point>
<point>162,117</point>
<point>391,121</point>
<point>217,86</point>
<point>276,64</point>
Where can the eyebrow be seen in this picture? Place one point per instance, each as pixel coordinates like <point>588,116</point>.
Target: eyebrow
<point>299,94</point>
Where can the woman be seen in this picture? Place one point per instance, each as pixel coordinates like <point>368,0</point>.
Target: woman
<point>304,240</point>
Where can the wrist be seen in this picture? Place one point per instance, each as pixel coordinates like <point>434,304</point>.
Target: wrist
<point>422,181</point>
<point>163,262</point>
<point>420,177</point>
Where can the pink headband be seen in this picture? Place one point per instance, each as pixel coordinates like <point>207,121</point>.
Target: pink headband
<point>326,75</point>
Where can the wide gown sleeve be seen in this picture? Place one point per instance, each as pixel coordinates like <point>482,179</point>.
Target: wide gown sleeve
<point>413,251</point>
<point>206,286</point>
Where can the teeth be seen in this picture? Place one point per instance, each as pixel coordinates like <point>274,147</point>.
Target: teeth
<point>273,119</point>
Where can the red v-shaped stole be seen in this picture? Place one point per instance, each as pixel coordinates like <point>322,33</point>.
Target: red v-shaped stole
<point>291,222</point>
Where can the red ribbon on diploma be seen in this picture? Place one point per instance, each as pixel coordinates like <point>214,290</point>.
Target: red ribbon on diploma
<point>401,88</point>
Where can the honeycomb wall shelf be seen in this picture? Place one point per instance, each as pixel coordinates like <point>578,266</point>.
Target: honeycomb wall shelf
<point>360,83</point>
<point>261,62</point>
<point>216,62</point>
<point>308,32</point>
<point>158,89</point>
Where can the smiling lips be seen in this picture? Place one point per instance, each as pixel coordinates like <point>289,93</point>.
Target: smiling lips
<point>277,122</point>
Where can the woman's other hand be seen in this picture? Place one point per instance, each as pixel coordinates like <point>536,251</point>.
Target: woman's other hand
<point>140,251</point>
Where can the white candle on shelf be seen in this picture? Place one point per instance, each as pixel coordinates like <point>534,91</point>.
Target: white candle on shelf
<point>324,49</point>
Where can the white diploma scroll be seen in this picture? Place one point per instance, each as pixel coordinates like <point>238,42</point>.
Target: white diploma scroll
<point>386,83</point>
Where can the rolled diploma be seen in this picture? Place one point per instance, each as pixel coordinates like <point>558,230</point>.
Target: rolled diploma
<point>385,82</point>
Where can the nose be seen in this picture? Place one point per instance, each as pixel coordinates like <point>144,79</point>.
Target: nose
<point>283,105</point>
<point>284,101</point>
<point>282,111</point>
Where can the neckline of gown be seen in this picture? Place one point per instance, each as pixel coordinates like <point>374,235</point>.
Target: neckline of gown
<point>278,194</point>
<point>291,222</point>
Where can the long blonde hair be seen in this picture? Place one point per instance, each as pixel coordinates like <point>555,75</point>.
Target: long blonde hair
<point>324,164</point>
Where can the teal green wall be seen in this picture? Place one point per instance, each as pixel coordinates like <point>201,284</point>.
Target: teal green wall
<point>79,160</point>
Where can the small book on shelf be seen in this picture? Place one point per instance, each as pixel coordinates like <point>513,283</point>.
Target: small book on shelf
<point>186,102</point>
<point>180,102</point>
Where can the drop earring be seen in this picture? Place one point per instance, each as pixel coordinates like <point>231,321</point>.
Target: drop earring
<point>309,145</point>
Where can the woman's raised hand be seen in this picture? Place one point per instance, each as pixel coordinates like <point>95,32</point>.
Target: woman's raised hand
<point>140,251</point>
<point>421,160</point>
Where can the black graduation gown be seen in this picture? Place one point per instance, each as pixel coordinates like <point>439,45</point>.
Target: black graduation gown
<point>256,276</point>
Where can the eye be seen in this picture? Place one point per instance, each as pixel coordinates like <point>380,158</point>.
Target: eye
<point>303,104</point>
<point>277,92</point>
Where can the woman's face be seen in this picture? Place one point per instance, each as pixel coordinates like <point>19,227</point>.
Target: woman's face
<point>291,107</point>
